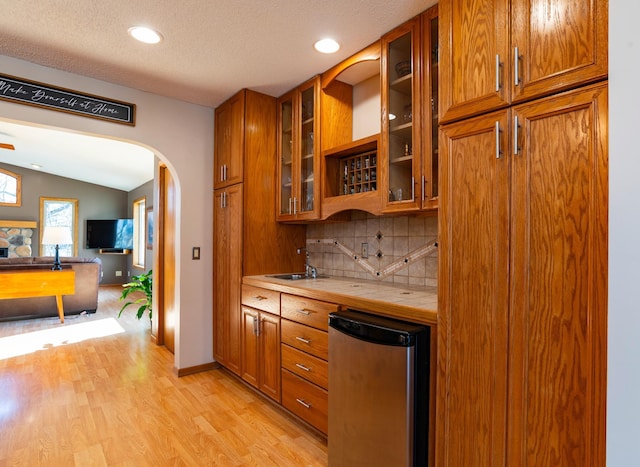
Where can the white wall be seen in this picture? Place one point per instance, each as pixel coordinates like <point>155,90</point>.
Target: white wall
<point>623,408</point>
<point>181,135</point>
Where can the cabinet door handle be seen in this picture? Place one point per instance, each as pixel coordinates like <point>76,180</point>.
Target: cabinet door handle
<point>295,205</point>
<point>289,206</point>
<point>302,339</point>
<point>303,403</point>
<point>413,188</point>
<point>516,63</point>
<point>423,188</point>
<point>223,200</point>
<point>516,147</point>
<point>302,367</point>
<point>302,311</point>
<point>222,173</point>
<point>256,328</point>
<point>498,152</point>
<point>497,72</point>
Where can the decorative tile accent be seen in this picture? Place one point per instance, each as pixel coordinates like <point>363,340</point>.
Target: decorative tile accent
<point>402,249</point>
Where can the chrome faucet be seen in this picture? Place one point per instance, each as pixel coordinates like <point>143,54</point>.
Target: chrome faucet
<point>309,271</point>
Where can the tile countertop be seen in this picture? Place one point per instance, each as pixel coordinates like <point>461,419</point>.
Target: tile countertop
<point>418,305</point>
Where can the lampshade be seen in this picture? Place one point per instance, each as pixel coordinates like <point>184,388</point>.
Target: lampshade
<point>57,236</point>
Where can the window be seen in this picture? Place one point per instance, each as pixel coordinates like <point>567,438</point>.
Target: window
<point>10,188</point>
<point>59,212</point>
<point>139,229</point>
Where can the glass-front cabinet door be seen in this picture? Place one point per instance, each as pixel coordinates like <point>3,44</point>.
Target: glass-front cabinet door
<point>299,155</point>
<point>429,178</point>
<point>401,117</point>
<point>285,155</point>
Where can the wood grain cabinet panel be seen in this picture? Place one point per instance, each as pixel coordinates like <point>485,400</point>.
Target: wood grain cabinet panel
<point>305,338</point>
<point>306,400</point>
<point>523,274</point>
<point>498,52</point>
<point>247,240</point>
<point>307,311</point>
<point>306,366</point>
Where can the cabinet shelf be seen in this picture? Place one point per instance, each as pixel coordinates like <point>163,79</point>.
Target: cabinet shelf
<point>402,159</point>
<point>403,84</point>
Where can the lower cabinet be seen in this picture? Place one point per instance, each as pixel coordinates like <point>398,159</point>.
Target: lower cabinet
<point>305,351</point>
<point>285,351</point>
<point>260,356</point>
<point>261,340</point>
<point>306,400</point>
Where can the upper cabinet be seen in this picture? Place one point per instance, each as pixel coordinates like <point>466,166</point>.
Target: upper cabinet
<point>498,52</point>
<point>228,144</point>
<point>429,177</point>
<point>298,153</point>
<point>401,117</point>
<point>409,115</point>
<point>350,134</point>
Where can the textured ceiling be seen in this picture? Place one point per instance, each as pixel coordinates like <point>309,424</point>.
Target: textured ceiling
<point>211,48</point>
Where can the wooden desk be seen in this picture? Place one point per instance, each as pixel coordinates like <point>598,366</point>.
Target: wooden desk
<point>38,283</point>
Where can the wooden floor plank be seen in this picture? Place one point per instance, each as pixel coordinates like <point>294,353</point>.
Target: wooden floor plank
<point>74,399</point>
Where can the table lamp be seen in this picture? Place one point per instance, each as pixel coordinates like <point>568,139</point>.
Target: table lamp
<point>56,236</point>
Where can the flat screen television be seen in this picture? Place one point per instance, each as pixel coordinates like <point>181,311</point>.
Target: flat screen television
<point>110,233</point>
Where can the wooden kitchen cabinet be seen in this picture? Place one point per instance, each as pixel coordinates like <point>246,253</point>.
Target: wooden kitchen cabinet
<point>261,351</point>
<point>497,52</point>
<point>409,155</point>
<point>401,117</point>
<point>247,239</point>
<point>305,354</point>
<point>228,150</point>
<point>430,79</point>
<point>523,295</point>
<point>227,266</point>
<point>298,153</point>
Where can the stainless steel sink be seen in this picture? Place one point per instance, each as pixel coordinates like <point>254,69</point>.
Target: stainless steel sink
<point>296,276</point>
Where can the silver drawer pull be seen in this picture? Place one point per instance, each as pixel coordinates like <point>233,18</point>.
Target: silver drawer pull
<point>303,403</point>
<point>260,297</point>
<point>302,339</point>
<point>302,367</point>
<point>304,312</point>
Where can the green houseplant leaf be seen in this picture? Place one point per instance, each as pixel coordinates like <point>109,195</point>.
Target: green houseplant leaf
<point>140,283</point>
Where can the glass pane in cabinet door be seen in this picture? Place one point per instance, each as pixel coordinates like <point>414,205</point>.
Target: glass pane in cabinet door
<point>400,100</point>
<point>286,156</point>
<point>434,107</point>
<point>307,148</point>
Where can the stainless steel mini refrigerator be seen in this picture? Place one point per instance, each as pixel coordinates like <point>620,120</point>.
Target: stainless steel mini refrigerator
<point>378,391</point>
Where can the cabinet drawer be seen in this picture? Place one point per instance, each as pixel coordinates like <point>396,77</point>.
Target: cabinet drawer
<point>261,299</point>
<point>307,311</point>
<point>306,400</point>
<point>306,366</point>
<point>304,338</point>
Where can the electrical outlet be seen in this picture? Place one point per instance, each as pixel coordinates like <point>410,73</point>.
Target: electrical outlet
<point>118,273</point>
<point>365,250</point>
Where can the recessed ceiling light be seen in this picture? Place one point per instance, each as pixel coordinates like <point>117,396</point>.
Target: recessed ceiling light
<point>36,166</point>
<point>327,46</point>
<point>145,34</point>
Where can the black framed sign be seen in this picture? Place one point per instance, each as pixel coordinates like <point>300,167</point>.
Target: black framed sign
<point>43,95</point>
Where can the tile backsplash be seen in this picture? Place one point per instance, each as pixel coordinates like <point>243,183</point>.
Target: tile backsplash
<point>400,249</point>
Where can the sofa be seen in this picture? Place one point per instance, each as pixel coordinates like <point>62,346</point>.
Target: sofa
<point>88,273</point>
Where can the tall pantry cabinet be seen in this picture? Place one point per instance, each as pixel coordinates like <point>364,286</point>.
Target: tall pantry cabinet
<point>246,237</point>
<point>523,249</point>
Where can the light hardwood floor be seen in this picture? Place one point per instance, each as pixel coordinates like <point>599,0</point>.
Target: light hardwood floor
<point>69,396</point>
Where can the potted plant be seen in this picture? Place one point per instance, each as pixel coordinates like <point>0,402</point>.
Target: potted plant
<point>140,283</point>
